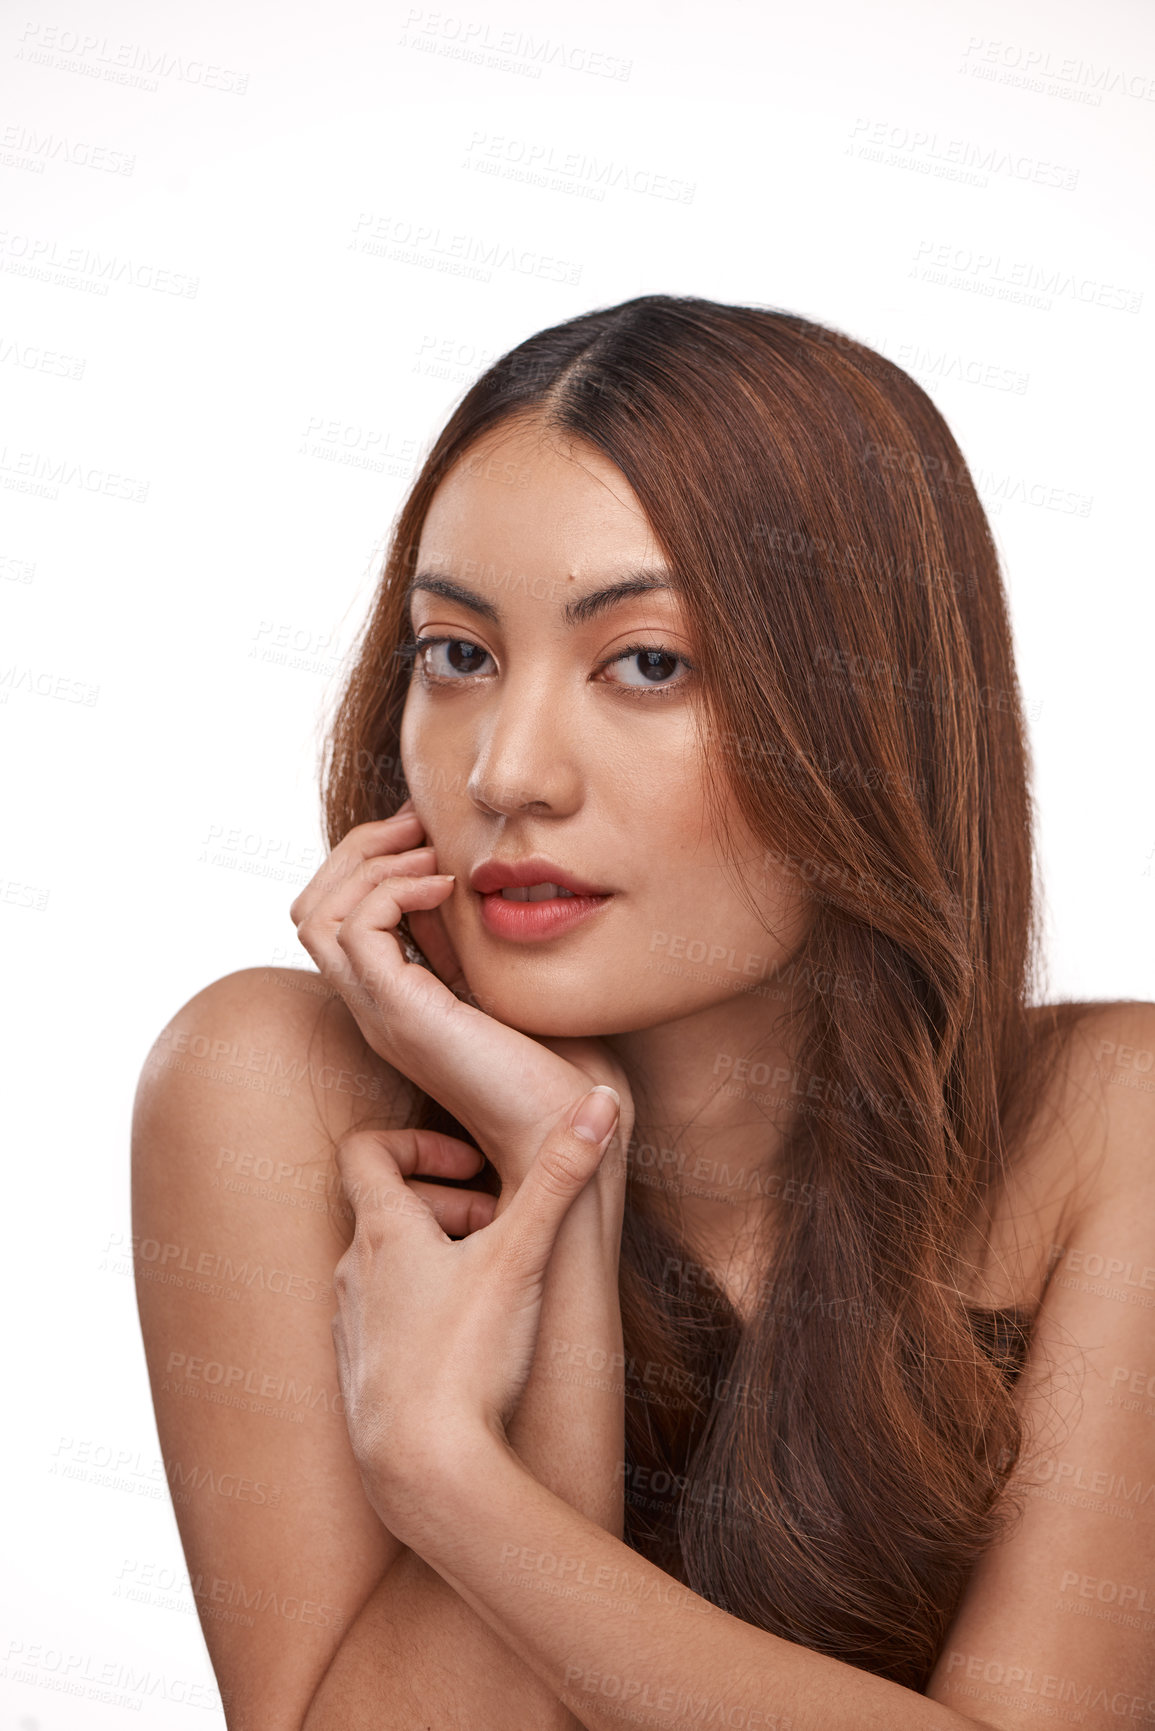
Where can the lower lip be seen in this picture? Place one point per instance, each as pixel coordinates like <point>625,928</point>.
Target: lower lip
<point>534,921</point>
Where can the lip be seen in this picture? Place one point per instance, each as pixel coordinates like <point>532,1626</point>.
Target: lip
<point>533,922</point>
<point>499,874</point>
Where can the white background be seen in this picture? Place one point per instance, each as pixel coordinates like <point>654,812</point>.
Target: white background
<point>908,172</point>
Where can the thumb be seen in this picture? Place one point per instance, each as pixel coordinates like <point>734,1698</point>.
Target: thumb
<point>566,1161</point>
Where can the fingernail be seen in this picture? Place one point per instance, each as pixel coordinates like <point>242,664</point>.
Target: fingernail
<point>596,1114</point>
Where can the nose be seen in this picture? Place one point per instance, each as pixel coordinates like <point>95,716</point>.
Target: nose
<point>526,753</point>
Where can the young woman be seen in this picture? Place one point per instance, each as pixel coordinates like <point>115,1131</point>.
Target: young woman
<point>666,1270</point>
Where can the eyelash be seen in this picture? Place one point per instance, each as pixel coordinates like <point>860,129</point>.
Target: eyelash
<point>412,648</point>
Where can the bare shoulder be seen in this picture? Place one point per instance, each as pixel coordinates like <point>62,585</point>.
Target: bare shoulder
<point>1081,1521</point>
<point>263,1035</point>
<point>1091,1134</point>
<point>1095,1127</point>
<point>239,1220</point>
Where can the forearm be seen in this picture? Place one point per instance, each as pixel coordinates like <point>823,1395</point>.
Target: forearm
<point>617,1639</point>
<point>418,1655</point>
<point>417,1648</point>
<point>569,1428</point>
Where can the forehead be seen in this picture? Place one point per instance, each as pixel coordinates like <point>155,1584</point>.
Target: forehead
<point>533,500</point>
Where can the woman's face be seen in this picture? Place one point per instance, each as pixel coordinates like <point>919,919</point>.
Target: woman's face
<point>571,738</point>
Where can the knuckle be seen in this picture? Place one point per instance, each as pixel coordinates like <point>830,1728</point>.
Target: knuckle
<point>513,1258</point>
<point>307,929</point>
<point>372,1223</point>
<point>360,1141</point>
<point>354,1142</point>
<point>562,1168</point>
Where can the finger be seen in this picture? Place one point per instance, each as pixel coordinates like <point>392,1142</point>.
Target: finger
<point>364,841</point>
<point>376,1189</point>
<point>567,1160</point>
<point>354,951</point>
<point>433,1154</point>
<point>457,1212</point>
<point>420,1153</point>
<point>349,862</point>
<point>380,835</point>
<point>341,893</point>
<point>369,940</point>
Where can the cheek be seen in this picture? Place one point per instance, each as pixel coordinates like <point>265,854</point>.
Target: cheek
<point>435,773</point>
<point>410,748</point>
<point>422,759</point>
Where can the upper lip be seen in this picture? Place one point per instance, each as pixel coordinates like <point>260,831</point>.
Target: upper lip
<point>500,874</point>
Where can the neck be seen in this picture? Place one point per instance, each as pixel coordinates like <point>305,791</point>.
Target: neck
<point>714,1093</point>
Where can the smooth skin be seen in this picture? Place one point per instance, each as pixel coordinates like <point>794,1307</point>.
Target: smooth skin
<point>453,1439</point>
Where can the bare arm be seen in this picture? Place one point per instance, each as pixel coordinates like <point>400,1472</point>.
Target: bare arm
<point>306,1597</point>
<point>504,1087</point>
<point>416,1642</point>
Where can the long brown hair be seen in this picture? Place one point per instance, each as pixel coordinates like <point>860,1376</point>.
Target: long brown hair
<point>859,697</point>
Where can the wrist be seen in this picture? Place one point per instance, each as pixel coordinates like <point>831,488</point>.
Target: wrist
<point>430,1489</point>
<point>597,1213</point>
<point>422,1490</point>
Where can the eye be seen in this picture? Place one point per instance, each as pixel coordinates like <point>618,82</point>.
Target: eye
<point>648,670</point>
<point>448,659</point>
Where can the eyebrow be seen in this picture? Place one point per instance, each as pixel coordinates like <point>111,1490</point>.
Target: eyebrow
<point>577,612</point>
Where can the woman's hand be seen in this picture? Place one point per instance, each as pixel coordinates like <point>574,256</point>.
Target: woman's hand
<point>508,1089</point>
<point>449,1369</point>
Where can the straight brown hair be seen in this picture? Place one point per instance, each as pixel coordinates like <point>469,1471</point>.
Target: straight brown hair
<point>832,1471</point>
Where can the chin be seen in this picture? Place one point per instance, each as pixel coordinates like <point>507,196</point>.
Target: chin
<point>540,1015</point>
<point>553,1010</point>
